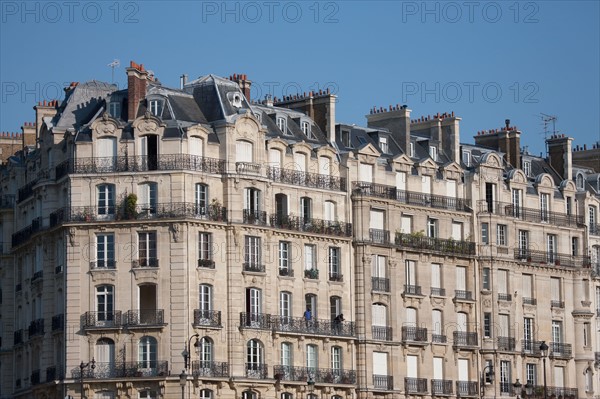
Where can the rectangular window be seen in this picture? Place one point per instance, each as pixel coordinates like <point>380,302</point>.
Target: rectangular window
<point>528,287</point>
<point>523,244</point>
<point>485,280</point>
<point>555,290</point>
<point>366,173</point>
<point>527,168</point>
<point>586,334</point>
<point>383,144</point>
<point>528,333</point>
<point>568,206</point>
<point>346,138</point>
<point>411,149</point>
<point>335,272</point>
<point>205,246</point>
<point>531,373</point>
<point>485,235</point>
<point>544,207</point>
<point>410,273</point>
<point>281,124</point>
<point>487,325</point>
<point>114,109</point>
<point>505,378</point>
<point>501,235</point>
<point>575,246</point>
<point>490,196</point>
<point>557,332</point>
<point>306,129</point>
<point>466,158</point>
<point>551,247</point>
<point>406,224</point>
<point>106,199</point>
<point>502,282</point>
<point>457,231</point>
<point>379,263</point>
<point>436,275</point>
<point>252,251</point>
<point>517,196</point>
<point>433,152</point>
<point>284,258</point>
<point>432,227</point>
<point>309,257</point>
<point>105,250</point>
<point>147,249</point>
<point>592,217</point>
<point>461,278</point>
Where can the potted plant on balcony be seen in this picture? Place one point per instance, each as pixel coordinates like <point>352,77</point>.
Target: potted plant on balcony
<point>214,210</point>
<point>311,273</point>
<point>130,206</point>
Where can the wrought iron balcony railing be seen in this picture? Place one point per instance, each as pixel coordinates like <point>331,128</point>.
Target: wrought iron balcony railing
<point>467,388</point>
<point>380,284</point>
<point>17,337</point>
<point>207,318</point>
<point>336,276</point>
<point>506,344</point>
<point>463,295</point>
<point>438,291</point>
<point>559,392</point>
<point>140,164</point>
<point>551,258</point>
<point>26,191</point>
<point>504,297</point>
<point>319,376</point>
<point>297,325</point>
<point>414,334</point>
<point>108,319</point>
<point>557,304</point>
<point>37,276</point>
<point>310,225</point>
<point>377,236</point>
<point>532,348</point>
<point>381,333</point>
<point>464,339</point>
<point>507,209</point>
<point>36,327</point>
<point>384,382</point>
<point>260,321</point>
<point>257,370</point>
<point>286,271</point>
<point>560,350</point>
<point>438,245</point>
<point>254,267</point>
<point>415,386</point>
<point>103,264</point>
<point>306,179</point>
<point>438,339</point>
<point>7,201</point>
<point>248,168</point>
<point>254,217</point>
<point>166,210</point>
<point>210,369</point>
<point>58,322</point>
<point>144,263</point>
<point>410,197</point>
<point>144,317</point>
<point>412,289</point>
<point>149,368</point>
<point>206,263</point>
<point>35,377</point>
<point>441,387</point>
<point>529,301</point>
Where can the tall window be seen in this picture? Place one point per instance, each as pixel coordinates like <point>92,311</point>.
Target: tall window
<point>254,358</point>
<point>204,248</point>
<point>312,359</point>
<point>528,337</point>
<point>244,151</point>
<point>105,352</point>
<point>252,201</point>
<point>147,249</point>
<point>433,152</point>
<point>592,219</point>
<point>252,251</point>
<point>365,173</point>
<point>551,247</point>
<point>201,198</point>
<point>335,306</point>
<point>105,303</point>
<point>205,352</point>
<point>305,209</point>
<point>544,207</point>
<point>556,334</point>
<point>310,301</point>
<point>432,227</point>
<point>285,265</point>
<point>106,199</point>
<point>253,304</point>
<point>501,235</point>
<point>147,352</point>
<point>505,378</point>
<point>410,275</point>
<point>335,270</point>
<point>329,211</point>
<point>287,351</point>
<point>383,144</point>
<point>309,257</point>
<point>517,196</point>
<point>574,246</point>
<point>285,306</point>
<point>485,233</point>
<point>205,300</point>
<point>105,250</point>
<point>436,277</point>
<point>555,292</point>
<point>490,196</point>
<point>523,244</point>
<point>406,224</point>
<point>281,124</point>
<point>148,198</point>
<point>487,325</point>
<point>485,278</point>
<point>336,359</point>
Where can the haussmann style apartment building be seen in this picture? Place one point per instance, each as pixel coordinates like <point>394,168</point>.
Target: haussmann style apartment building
<point>187,242</point>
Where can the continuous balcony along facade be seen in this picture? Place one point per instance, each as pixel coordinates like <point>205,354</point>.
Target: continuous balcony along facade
<point>117,319</point>
<point>311,225</point>
<point>305,179</point>
<point>297,325</point>
<point>545,258</point>
<point>150,368</point>
<point>438,245</point>
<point>510,210</point>
<point>318,375</point>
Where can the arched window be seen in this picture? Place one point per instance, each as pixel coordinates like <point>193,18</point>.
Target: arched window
<point>329,211</point>
<point>281,208</point>
<point>106,199</point>
<point>104,305</point>
<point>196,147</point>
<point>205,352</point>
<point>249,395</point>
<point>105,356</point>
<point>579,181</point>
<point>147,353</point>
<point>255,367</point>
<point>244,151</point>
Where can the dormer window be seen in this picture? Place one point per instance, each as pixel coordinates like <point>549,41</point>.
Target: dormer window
<point>345,138</point>
<point>466,158</point>
<point>527,168</point>
<point>114,109</point>
<point>433,152</point>
<point>306,129</point>
<point>383,144</point>
<point>155,107</point>
<point>411,150</point>
<point>579,181</point>
<point>281,124</point>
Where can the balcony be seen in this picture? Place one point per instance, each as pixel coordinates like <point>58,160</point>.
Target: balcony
<point>545,258</point>
<point>206,263</point>
<point>377,236</point>
<point>529,301</point>
<point>210,369</point>
<point>286,272</point>
<point>412,290</point>
<point>53,374</point>
<point>559,392</point>
<point>414,335</point>
<point>595,230</point>
<point>441,387</point>
<point>247,168</point>
<point>415,386</point>
<point>58,322</point>
<point>557,304</point>
<point>257,370</point>
<point>103,265</point>
<point>21,236</point>
<point>462,295</point>
<point>531,348</point>
<point>144,318</point>
<point>305,179</point>
<point>383,382</point>
<point>381,333</point>
<point>254,267</point>
<point>467,389</point>
<point>310,225</point>
<point>37,276</point>
<point>410,197</point>
<point>166,210</point>
<point>100,165</point>
<point>319,376</point>
<point>36,328</point>
<point>559,350</point>
<point>464,339</point>
<point>506,344</point>
<point>506,209</point>
<point>439,339</point>
<point>380,284</point>
<point>17,337</point>
<point>438,291</point>
<point>254,217</point>
<point>35,377</point>
<point>109,319</point>
<point>207,318</point>
<point>336,276</point>
<point>144,263</point>
<point>7,201</point>
<point>437,245</point>
<point>103,370</point>
<point>504,297</point>
<point>297,325</point>
<point>26,191</point>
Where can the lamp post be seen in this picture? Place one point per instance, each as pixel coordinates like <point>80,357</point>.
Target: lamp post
<point>544,353</point>
<point>311,384</point>
<point>182,381</point>
<point>187,350</point>
<point>91,364</point>
<point>517,385</point>
<point>528,389</point>
<point>488,375</point>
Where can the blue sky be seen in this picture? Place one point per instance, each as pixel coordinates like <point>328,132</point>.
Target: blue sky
<point>486,61</point>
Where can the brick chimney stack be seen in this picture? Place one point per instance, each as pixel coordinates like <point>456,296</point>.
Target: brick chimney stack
<point>45,109</point>
<point>137,83</point>
<point>244,83</point>
<point>506,140</point>
<point>560,155</point>
<point>396,120</point>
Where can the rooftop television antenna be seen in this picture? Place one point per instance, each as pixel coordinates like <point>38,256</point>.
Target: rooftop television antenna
<point>113,65</point>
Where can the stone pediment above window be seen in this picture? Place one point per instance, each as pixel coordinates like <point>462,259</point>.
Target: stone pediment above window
<point>544,180</point>
<point>148,124</point>
<point>105,126</point>
<point>368,150</point>
<point>452,171</point>
<point>401,163</point>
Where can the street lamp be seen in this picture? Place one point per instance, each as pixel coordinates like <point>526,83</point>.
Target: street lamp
<point>517,385</point>
<point>187,354</point>
<point>544,353</point>
<point>182,381</point>
<point>311,384</point>
<point>528,389</point>
<point>91,364</point>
